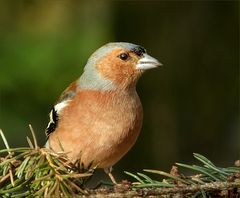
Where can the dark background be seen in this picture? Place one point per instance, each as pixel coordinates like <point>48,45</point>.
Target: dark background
<point>190,105</point>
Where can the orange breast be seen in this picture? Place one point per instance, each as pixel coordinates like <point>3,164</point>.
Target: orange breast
<point>99,127</point>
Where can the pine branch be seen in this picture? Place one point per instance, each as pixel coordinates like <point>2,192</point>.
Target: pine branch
<point>33,171</point>
<point>209,179</point>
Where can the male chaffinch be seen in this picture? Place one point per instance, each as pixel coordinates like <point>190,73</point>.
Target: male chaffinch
<point>97,119</point>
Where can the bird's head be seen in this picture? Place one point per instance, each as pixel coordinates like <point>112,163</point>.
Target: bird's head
<point>116,65</point>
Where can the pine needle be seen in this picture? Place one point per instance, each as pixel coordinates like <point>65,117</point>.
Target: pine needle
<point>33,135</point>
<point>167,175</point>
<point>5,141</point>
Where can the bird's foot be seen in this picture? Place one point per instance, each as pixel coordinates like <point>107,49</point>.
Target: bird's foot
<point>112,178</point>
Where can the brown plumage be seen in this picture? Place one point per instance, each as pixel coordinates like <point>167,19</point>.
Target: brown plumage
<point>99,116</point>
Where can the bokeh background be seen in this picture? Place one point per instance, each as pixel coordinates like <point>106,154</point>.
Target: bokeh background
<point>190,105</point>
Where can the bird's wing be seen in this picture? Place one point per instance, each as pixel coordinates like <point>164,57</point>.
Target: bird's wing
<point>67,95</point>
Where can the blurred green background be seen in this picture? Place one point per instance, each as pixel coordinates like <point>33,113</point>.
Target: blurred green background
<point>190,105</point>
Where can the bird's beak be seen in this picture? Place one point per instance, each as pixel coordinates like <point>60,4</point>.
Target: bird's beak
<point>147,62</point>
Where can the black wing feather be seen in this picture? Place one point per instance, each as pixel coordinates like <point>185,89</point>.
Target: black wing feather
<point>52,125</point>
<point>67,95</point>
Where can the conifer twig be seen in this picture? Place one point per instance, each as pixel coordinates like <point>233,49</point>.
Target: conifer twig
<point>209,178</point>
<point>39,171</point>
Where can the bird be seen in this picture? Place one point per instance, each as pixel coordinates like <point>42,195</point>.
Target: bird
<point>98,117</point>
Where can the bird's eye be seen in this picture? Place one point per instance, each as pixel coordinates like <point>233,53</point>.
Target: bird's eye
<point>123,56</point>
